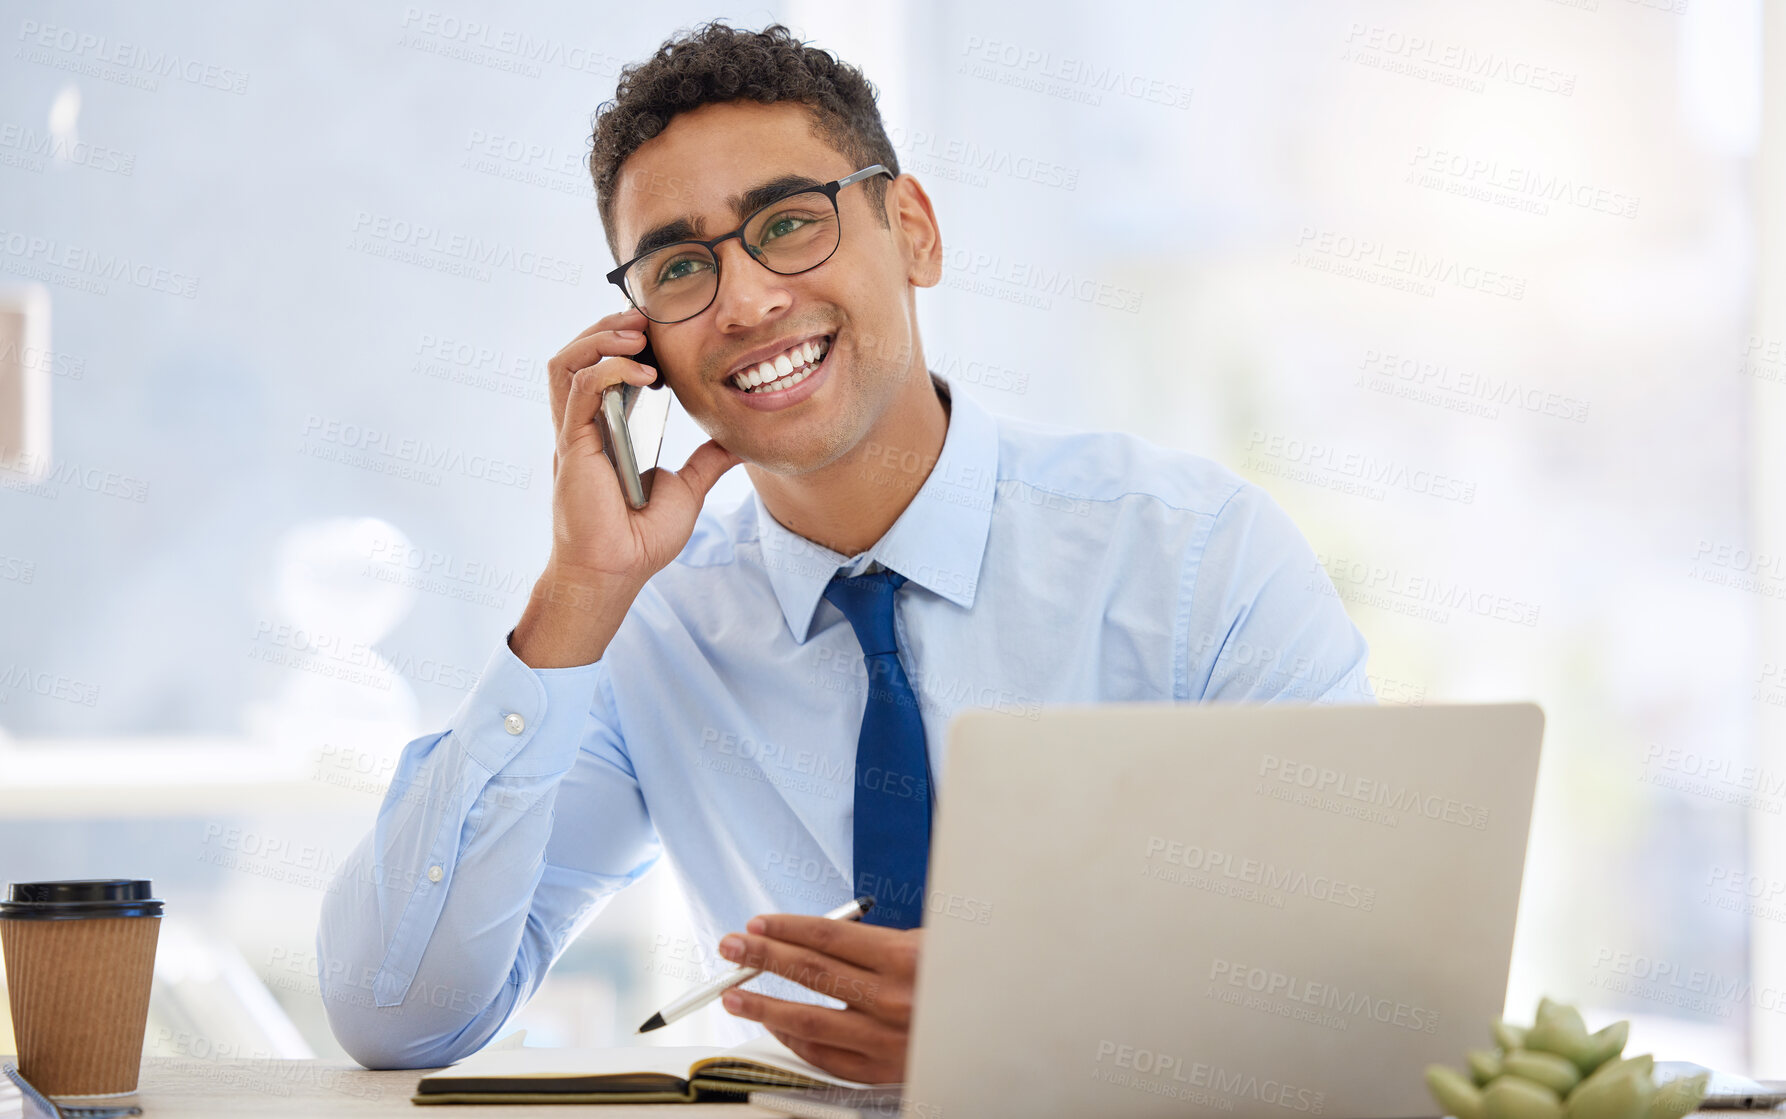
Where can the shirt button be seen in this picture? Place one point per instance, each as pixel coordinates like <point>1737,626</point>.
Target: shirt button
<point>433,874</point>
<point>513,723</point>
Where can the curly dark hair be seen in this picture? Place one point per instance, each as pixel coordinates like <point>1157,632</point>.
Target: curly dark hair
<point>715,63</point>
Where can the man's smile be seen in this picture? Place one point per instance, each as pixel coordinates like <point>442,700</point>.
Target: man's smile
<point>785,375</point>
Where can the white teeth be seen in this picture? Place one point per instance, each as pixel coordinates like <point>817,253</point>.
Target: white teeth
<point>784,370</point>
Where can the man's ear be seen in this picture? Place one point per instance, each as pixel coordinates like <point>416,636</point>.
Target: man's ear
<point>915,229</point>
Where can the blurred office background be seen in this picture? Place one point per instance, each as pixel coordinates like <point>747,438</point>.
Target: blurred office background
<point>1488,295</point>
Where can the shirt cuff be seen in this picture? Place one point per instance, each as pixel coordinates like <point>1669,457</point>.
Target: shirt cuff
<point>526,722</point>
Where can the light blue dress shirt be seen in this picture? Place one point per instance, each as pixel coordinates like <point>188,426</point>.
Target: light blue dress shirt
<point>720,726</point>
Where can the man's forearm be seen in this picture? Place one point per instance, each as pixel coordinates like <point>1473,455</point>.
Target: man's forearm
<point>426,923</point>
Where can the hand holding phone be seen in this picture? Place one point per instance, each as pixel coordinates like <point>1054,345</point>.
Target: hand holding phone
<point>604,547</point>
<point>600,532</point>
<point>633,421</point>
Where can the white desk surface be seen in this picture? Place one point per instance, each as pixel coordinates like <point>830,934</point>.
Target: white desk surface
<point>176,1088</point>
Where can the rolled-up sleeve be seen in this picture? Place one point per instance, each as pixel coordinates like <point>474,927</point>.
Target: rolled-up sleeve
<point>445,919</point>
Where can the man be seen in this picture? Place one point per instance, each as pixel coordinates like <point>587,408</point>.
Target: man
<point>762,693</point>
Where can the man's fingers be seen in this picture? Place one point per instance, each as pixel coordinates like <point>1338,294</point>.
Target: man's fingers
<point>840,1029</point>
<point>581,406</point>
<point>846,1063</point>
<point>868,946</point>
<point>588,384</point>
<point>614,368</point>
<point>629,319</point>
<point>626,369</point>
<point>705,466</point>
<point>589,348</point>
<point>813,970</point>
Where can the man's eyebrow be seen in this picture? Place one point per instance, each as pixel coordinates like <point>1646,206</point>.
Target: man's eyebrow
<point>682,229</point>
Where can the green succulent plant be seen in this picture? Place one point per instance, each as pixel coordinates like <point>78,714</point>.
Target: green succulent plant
<point>1556,1069</point>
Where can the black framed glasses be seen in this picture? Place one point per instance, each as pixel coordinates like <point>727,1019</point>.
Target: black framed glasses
<point>795,233</point>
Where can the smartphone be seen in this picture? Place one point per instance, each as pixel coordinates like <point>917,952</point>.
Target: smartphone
<point>633,430</point>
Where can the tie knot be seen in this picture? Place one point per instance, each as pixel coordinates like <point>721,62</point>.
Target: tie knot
<point>867,601</point>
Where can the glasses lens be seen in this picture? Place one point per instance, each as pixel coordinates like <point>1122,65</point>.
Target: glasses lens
<point>794,234</point>
<point>675,282</point>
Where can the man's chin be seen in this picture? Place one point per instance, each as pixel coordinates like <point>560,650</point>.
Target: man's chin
<point>790,445</point>
<point>787,462</point>
<point>783,466</point>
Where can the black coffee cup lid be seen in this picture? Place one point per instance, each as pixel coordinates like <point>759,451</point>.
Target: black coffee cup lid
<point>84,898</point>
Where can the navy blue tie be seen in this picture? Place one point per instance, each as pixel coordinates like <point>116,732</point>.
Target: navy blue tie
<point>892,817</point>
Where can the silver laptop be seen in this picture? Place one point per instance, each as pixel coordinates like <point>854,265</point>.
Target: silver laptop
<point>1144,909</point>
<point>1239,911</point>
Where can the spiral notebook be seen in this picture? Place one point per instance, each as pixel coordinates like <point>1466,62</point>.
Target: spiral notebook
<point>652,1074</point>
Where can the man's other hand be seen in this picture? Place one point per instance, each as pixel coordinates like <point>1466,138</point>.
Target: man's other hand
<point>871,969</point>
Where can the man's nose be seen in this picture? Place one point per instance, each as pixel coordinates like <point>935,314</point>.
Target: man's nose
<point>748,292</point>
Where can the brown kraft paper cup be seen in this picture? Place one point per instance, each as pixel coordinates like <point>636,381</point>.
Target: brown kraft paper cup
<point>80,960</point>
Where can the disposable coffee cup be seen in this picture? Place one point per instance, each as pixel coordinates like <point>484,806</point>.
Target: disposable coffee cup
<point>80,958</point>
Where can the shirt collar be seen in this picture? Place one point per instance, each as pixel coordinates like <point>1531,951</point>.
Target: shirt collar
<point>937,542</point>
